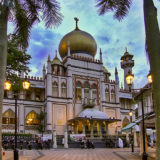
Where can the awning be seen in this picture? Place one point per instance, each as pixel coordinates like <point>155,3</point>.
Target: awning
<point>129,126</point>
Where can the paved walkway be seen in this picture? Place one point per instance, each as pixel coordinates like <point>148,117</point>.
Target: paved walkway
<point>78,154</point>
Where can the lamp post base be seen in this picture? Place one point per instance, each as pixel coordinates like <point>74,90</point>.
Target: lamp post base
<point>16,157</point>
<point>144,156</point>
<point>132,148</point>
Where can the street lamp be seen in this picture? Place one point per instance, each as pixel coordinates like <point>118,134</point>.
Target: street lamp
<point>149,77</point>
<point>7,86</point>
<point>129,80</point>
<point>132,144</point>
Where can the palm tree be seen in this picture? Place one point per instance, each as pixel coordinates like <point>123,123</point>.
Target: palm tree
<point>41,118</point>
<point>23,13</point>
<point>120,9</point>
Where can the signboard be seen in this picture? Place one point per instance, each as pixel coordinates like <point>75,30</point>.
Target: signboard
<point>77,137</point>
<point>45,137</point>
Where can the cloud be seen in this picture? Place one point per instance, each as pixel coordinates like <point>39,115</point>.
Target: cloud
<point>111,36</point>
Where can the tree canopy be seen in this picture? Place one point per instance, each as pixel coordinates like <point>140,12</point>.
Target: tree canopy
<point>17,62</point>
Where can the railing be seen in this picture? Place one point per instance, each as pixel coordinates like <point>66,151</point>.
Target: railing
<point>86,102</point>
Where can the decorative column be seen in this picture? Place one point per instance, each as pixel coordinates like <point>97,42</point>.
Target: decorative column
<point>84,129</point>
<point>107,130</point>
<point>83,94</point>
<point>69,83</point>
<point>21,118</point>
<point>100,130</point>
<point>127,137</point>
<point>141,141</point>
<point>76,127</point>
<point>21,115</point>
<point>54,138</point>
<point>92,134</point>
<point>59,87</point>
<point>65,139</point>
<point>49,94</point>
<point>49,116</point>
<point>135,139</point>
<point>90,94</point>
<point>69,111</point>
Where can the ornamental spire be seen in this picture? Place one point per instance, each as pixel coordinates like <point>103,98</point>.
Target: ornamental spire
<point>76,19</point>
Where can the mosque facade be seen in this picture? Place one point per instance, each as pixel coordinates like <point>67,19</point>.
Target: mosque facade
<point>76,93</point>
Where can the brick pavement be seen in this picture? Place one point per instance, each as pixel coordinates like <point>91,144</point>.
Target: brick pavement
<point>77,154</point>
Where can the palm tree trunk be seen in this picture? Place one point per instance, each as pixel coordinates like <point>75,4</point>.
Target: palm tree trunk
<point>153,49</point>
<point>3,59</point>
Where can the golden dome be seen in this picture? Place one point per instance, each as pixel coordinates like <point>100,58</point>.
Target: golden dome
<point>56,60</point>
<point>80,42</point>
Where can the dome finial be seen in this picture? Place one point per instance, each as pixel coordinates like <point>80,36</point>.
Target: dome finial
<point>126,49</point>
<point>76,19</point>
<point>56,54</point>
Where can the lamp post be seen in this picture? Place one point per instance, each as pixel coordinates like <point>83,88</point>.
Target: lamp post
<point>7,86</point>
<point>132,144</point>
<point>129,80</point>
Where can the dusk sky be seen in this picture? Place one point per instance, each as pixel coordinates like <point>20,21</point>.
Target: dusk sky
<point>111,36</point>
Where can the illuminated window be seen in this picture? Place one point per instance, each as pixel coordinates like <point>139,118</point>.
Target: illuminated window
<point>55,89</point>
<point>86,90</point>
<point>78,91</point>
<point>8,117</point>
<point>113,95</point>
<point>31,118</point>
<point>63,90</point>
<point>125,122</point>
<point>107,95</point>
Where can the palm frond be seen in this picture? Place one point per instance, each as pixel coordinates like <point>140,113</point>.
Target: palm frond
<point>105,5</point>
<point>122,9</point>
<point>23,26</point>
<point>32,9</point>
<point>51,13</point>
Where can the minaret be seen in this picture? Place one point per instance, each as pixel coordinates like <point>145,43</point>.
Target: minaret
<point>100,53</point>
<point>44,71</point>
<point>127,64</point>
<point>49,64</point>
<point>48,95</point>
<point>116,76</point>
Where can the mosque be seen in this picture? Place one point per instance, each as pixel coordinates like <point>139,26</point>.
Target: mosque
<point>76,92</point>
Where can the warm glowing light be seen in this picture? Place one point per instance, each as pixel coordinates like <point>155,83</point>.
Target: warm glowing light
<point>130,113</point>
<point>149,77</point>
<point>129,78</point>
<point>7,85</point>
<point>30,119</point>
<point>26,85</point>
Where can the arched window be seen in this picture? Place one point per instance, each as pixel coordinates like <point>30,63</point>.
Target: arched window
<point>78,91</point>
<point>63,89</point>
<point>86,90</point>
<point>107,95</point>
<point>94,91</point>
<point>31,118</point>
<point>113,94</point>
<point>55,89</point>
<point>125,122</point>
<point>8,117</point>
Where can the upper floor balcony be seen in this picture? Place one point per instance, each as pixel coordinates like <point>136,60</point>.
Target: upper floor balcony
<point>86,102</point>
